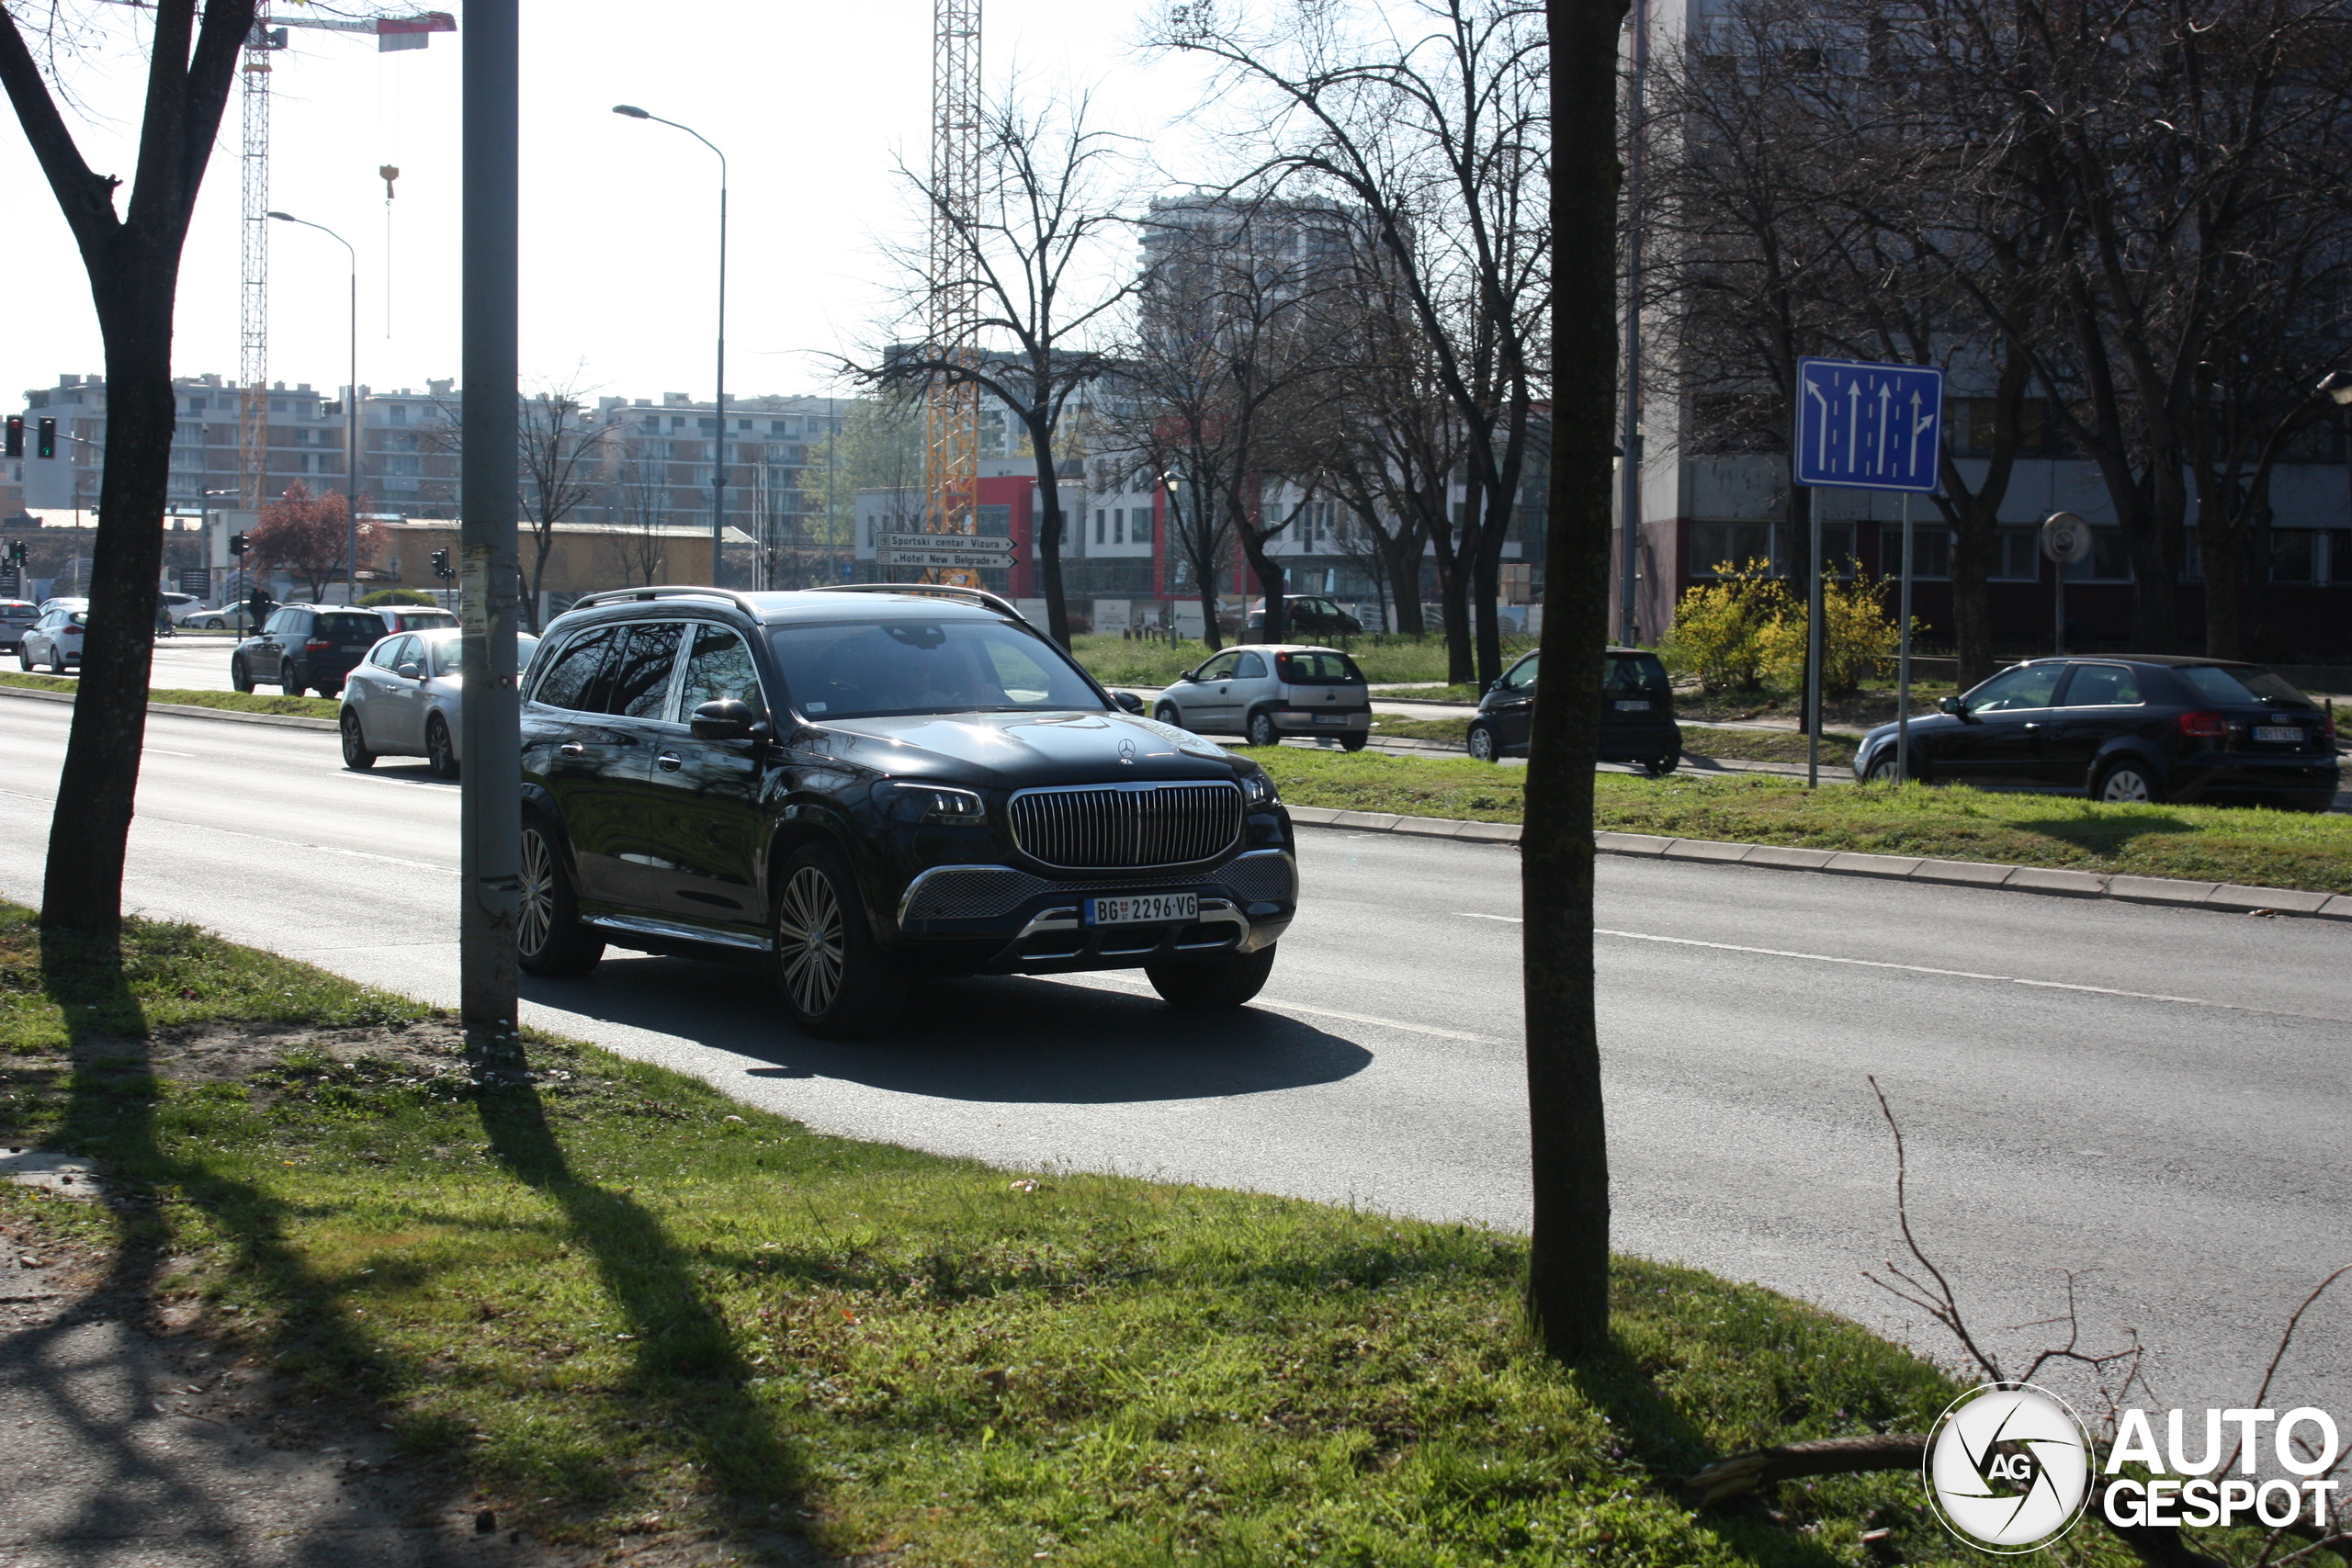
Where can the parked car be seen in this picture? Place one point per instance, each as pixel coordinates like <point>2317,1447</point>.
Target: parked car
<point>2127,727</point>
<point>415,617</point>
<point>55,640</point>
<point>854,785</point>
<point>1309,616</point>
<point>404,699</point>
<point>1636,712</point>
<point>63,601</point>
<point>1265,690</point>
<point>305,648</point>
<point>229,617</point>
<point>15,614</point>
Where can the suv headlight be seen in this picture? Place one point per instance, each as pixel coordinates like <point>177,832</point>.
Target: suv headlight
<point>905,802</point>
<point>1256,790</point>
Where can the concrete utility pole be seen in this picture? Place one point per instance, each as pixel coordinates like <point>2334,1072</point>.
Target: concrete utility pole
<point>491,810</point>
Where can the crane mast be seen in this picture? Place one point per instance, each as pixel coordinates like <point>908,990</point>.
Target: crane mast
<point>252,294</point>
<point>951,409</point>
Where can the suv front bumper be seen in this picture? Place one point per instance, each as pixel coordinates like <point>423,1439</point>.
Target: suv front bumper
<point>998,919</point>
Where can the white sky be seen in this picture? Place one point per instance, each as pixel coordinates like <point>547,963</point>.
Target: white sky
<point>810,102</point>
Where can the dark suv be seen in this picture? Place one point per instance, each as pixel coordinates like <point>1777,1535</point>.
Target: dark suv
<point>1636,712</point>
<point>855,785</point>
<point>2126,727</point>
<point>305,648</point>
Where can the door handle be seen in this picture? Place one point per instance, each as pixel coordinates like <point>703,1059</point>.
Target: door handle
<point>668,761</point>
<point>573,749</point>
<point>2033,725</point>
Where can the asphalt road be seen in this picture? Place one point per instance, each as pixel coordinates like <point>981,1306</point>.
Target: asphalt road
<point>2155,1097</point>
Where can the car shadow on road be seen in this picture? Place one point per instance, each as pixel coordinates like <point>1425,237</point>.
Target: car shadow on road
<point>996,1041</point>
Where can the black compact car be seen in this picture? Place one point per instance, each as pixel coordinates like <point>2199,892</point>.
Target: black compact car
<point>305,648</point>
<point>1636,712</point>
<point>2126,727</point>
<point>1309,616</point>
<point>854,785</point>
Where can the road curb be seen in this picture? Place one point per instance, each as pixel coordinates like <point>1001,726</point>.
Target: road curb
<point>2048,881</point>
<point>188,710</point>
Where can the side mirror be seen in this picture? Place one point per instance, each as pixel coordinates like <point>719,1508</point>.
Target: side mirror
<point>728,719</point>
<point>1952,706</point>
<point>1129,701</point>
<point>409,669</point>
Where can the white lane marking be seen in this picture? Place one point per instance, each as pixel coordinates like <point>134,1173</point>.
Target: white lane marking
<point>1925,969</point>
<point>1111,980</point>
<point>159,752</point>
<point>267,839</point>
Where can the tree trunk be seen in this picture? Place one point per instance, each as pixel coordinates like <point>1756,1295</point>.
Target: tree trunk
<point>1269,573</point>
<point>2222,551</point>
<point>1486,588</point>
<point>89,831</point>
<point>1049,531</point>
<point>1404,557</point>
<point>1972,608</point>
<point>1454,603</point>
<point>1568,1274</point>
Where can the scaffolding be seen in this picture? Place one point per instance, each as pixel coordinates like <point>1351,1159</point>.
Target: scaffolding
<point>952,411</point>
<point>252,315</point>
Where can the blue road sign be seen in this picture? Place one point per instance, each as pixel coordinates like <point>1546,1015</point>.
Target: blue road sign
<point>1869,426</point>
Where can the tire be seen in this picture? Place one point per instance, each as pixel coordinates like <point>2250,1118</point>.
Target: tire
<point>440,752</point>
<point>356,755</point>
<point>24,660</point>
<point>1224,982</point>
<point>1484,747</point>
<point>289,682</point>
<point>1166,714</point>
<point>2129,783</point>
<point>1881,768</point>
<point>238,678</point>
<point>549,937</point>
<point>834,979</point>
<point>1353,742</point>
<point>1262,730</point>
<point>1658,767</point>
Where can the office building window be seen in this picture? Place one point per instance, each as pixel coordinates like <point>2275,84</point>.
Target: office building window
<point>1119,526</point>
<point>1933,545</point>
<point>2016,555</point>
<point>1099,524</point>
<point>1740,545</point>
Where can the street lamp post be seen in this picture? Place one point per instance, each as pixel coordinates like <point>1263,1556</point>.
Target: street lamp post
<point>718,448</point>
<point>350,419</point>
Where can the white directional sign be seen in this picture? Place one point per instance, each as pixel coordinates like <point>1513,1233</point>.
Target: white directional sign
<point>939,552</point>
<point>1862,426</point>
<point>970,544</point>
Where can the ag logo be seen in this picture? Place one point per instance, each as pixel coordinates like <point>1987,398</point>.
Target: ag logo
<point>2009,1469</point>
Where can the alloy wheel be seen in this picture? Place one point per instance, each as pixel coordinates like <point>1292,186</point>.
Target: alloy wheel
<point>1482,743</point>
<point>2127,787</point>
<point>536,917</point>
<point>809,940</point>
<point>439,756</point>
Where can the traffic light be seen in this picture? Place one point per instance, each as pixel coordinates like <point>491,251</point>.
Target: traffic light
<point>45,444</point>
<point>16,435</point>
<point>441,565</point>
<point>236,544</point>
<point>16,553</point>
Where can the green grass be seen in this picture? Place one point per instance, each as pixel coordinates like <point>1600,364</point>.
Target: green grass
<point>238,702</point>
<point>613,1301</point>
<point>2202,843</point>
<point>1470,694</point>
<point>1116,661</point>
<point>1737,745</point>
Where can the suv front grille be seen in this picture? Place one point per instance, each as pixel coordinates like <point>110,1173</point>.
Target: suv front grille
<point>1126,824</point>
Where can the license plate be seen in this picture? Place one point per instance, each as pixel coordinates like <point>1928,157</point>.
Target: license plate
<point>354,647</point>
<point>1633,707</point>
<point>2279,732</point>
<point>1330,719</point>
<point>1142,908</point>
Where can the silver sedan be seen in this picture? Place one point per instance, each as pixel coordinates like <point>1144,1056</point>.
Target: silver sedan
<point>402,700</point>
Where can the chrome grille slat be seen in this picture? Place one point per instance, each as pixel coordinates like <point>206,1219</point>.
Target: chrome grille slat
<point>1110,828</point>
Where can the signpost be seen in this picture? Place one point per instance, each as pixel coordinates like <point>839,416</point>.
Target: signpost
<point>969,552</point>
<point>1864,426</point>
<point>2065,539</point>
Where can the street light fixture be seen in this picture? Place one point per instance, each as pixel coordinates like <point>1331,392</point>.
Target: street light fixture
<point>350,419</point>
<point>718,448</point>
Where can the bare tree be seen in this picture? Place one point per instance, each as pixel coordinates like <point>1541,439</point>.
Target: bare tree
<point>637,549</point>
<point>561,452</point>
<point>1050,196</point>
<point>305,533</point>
<point>132,259</point>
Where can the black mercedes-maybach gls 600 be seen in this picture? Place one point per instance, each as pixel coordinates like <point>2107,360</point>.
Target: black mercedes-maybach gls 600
<point>860,784</point>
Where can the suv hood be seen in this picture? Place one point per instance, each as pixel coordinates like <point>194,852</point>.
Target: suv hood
<point>1021,749</point>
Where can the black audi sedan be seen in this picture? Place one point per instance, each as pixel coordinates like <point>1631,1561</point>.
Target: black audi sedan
<point>2127,727</point>
<point>1636,712</point>
<point>856,786</point>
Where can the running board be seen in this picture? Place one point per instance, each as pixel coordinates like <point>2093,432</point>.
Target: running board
<point>677,930</point>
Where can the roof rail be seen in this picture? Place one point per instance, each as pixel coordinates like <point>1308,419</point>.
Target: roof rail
<point>946,590</point>
<point>624,595</point>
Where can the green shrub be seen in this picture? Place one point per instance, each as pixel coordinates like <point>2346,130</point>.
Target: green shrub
<point>397,596</point>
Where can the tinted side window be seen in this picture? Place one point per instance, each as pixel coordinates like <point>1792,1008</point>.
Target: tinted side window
<point>2028,686</point>
<point>383,653</point>
<point>718,669</point>
<point>1220,669</point>
<point>575,672</point>
<point>639,674</point>
<point>2103,685</point>
<point>1251,668</point>
<point>352,628</point>
<point>1520,676</point>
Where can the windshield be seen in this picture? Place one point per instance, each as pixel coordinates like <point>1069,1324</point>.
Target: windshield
<point>1628,673</point>
<point>2214,684</point>
<point>450,654</point>
<point>867,670</point>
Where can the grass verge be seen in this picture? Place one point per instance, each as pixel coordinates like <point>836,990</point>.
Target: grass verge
<point>1116,661</point>
<point>1471,694</point>
<point>236,701</point>
<point>2201,843</point>
<point>612,1302</point>
<point>1738,745</point>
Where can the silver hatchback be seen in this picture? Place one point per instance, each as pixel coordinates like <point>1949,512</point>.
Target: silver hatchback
<point>1265,690</point>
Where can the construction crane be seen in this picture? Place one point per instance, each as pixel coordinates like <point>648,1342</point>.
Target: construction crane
<point>952,411</point>
<point>268,35</point>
